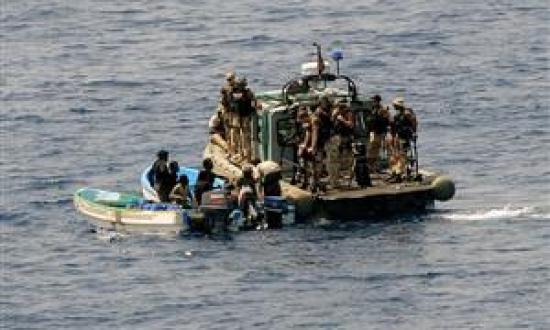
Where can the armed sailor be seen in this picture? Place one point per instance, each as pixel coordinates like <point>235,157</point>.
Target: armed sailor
<point>320,135</point>
<point>340,147</point>
<point>379,125</point>
<point>404,128</point>
<point>228,112</point>
<point>306,159</point>
<point>160,176</point>
<point>246,106</point>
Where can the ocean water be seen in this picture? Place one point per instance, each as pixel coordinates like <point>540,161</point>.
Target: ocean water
<point>90,90</point>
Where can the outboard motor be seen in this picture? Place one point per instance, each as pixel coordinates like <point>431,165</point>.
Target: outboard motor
<point>216,207</point>
<point>360,166</point>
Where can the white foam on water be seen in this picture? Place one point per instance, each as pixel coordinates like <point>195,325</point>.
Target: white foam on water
<point>541,216</point>
<point>503,213</point>
<point>110,236</point>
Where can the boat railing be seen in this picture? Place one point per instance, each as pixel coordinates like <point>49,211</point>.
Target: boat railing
<point>301,85</point>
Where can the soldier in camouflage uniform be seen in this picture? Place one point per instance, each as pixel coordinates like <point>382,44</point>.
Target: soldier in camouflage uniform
<point>246,105</point>
<point>403,131</point>
<point>305,158</point>
<point>229,112</point>
<point>379,124</point>
<point>320,135</point>
<point>340,157</point>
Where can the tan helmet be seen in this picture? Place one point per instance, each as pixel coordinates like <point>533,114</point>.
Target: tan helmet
<point>230,76</point>
<point>398,102</point>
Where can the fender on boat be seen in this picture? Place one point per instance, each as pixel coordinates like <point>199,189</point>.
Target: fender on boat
<point>443,188</point>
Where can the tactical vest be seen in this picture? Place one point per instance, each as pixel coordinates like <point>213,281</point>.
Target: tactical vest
<point>234,101</point>
<point>342,129</point>
<point>325,128</point>
<point>380,123</point>
<point>403,126</point>
<point>244,104</point>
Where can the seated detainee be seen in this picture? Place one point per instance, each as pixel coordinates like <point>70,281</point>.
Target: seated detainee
<point>379,123</point>
<point>247,192</point>
<point>161,176</point>
<point>181,194</point>
<point>270,184</point>
<point>205,180</point>
<point>269,179</point>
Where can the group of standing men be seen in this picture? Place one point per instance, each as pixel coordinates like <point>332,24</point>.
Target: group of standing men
<point>231,125</point>
<point>328,135</point>
<point>402,127</point>
<point>328,138</point>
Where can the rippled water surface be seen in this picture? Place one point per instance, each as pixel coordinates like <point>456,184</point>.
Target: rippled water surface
<point>91,89</point>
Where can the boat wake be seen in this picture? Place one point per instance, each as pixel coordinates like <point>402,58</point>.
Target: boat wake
<point>507,212</point>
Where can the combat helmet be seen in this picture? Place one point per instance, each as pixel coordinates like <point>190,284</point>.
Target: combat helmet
<point>230,76</point>
<point>399,102</point>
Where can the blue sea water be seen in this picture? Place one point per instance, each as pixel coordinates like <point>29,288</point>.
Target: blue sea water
<point>90,90</point>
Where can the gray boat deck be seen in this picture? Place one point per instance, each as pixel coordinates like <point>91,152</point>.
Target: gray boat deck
<point>380,188</point>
